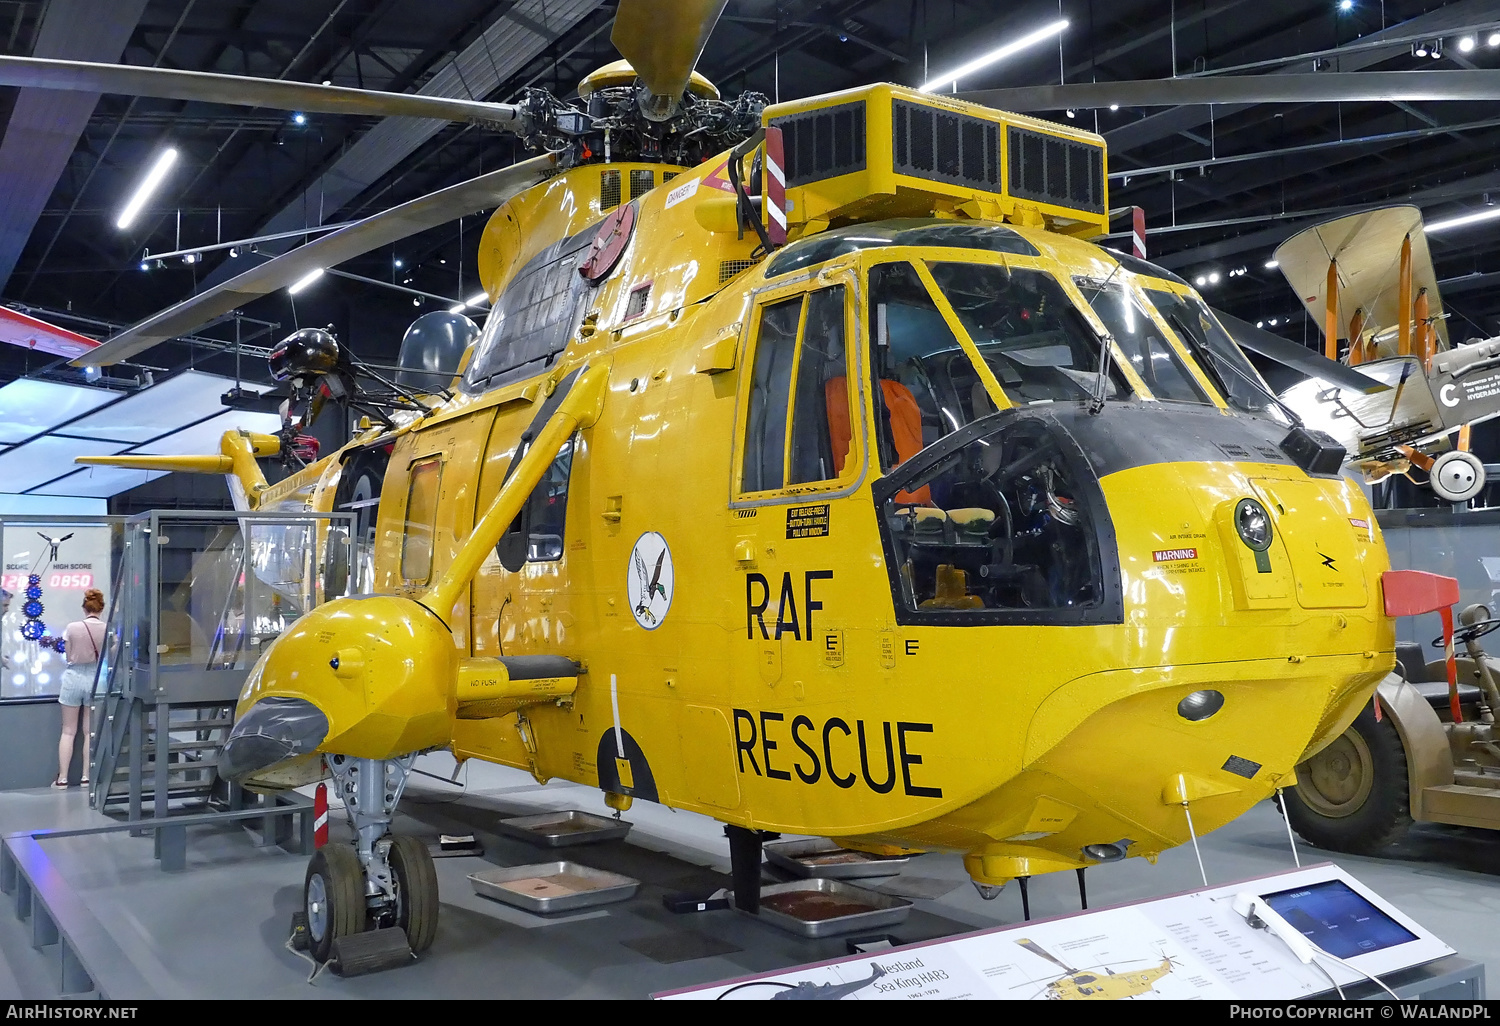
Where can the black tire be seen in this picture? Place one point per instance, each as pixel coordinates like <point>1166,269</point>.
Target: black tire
<point>416,892</point>
<point>336,882</point>
<point>1353,795</point>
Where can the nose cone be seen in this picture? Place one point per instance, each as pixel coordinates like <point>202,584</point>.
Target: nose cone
<point>271,730</point>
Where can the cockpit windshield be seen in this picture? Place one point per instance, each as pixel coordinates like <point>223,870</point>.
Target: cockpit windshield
<point>1032,337</point>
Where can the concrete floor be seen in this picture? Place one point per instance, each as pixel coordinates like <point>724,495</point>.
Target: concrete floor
<point>218,928</point>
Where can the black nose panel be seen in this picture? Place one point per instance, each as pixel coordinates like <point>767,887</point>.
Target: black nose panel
<point>274,729</point>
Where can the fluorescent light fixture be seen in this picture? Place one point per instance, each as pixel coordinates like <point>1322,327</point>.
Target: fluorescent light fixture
<point>1487,214</point>
<point>304,281</point>
<point>477,299</point>
<point>1271,265</point>
<point>994,56</point>
<point>148,186</point>
<point>459,308</point>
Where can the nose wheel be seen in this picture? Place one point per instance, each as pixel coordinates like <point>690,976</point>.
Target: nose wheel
<point>374,904</point>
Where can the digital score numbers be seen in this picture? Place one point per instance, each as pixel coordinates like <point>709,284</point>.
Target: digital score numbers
<point>16,583</point>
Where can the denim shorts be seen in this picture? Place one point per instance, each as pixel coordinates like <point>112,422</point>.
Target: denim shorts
<point>77,684</point>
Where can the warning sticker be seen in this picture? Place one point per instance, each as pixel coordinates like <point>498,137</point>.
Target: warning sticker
<point>807,521</point>
<point>682,192</point>
<point>1172,555</point>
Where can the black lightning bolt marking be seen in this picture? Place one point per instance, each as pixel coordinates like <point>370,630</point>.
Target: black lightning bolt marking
<point>1328,561</point>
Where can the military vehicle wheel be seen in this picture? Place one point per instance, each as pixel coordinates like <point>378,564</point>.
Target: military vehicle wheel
<point>1352,796</point>
<point>416,892</point>
<point>333,897</point>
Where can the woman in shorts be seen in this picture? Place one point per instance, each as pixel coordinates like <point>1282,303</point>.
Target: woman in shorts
<point>83,641</point>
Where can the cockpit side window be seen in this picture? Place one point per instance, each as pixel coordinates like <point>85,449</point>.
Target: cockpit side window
<point>763,469</point>
<point>799,427</point>
<point>1199,331</point>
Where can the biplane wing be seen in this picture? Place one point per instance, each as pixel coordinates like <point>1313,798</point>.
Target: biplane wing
<point>28,332</point>
<point>1366,248</point>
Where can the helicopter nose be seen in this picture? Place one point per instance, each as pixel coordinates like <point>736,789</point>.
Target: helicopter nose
<point>273,729</point>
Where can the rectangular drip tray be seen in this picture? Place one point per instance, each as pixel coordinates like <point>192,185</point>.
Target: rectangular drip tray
<point>820,857</point>
<point>559,829</point>
<point>821,907</point>
<point>553,886</point>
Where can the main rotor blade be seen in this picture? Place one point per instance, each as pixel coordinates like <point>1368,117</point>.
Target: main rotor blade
<point>1297,357</point>
<point>209,87</point>
<point>663,42</point>
<point>1324,87</point>
<point>489,190</point>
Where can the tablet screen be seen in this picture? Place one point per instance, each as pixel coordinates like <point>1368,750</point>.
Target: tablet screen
<point>1337,919</point>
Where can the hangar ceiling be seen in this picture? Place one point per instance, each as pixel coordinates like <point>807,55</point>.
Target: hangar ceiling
<point>1221,185</point>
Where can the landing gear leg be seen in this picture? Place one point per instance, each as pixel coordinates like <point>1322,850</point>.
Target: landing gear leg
<point>744,866</point>
<point>399,883</point>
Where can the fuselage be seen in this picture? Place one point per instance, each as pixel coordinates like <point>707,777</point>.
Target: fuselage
<point>932,579</point>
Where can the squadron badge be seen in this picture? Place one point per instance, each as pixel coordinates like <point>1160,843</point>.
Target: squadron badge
<point>648,582</point>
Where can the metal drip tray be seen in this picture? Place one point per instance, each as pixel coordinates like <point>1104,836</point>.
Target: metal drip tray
<point>559,829</point>
<point>553,886</point>
<point>820,857</point>
<point>821,907</point>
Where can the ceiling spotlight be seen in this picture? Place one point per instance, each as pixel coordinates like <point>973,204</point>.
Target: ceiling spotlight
<point>304,281</point>
<point>1272,322</point>
<point>1271,265</point>
<point>1419,49</point>
<point>997,54</point>
<point>1071,114</point>
<point>299,118</point>
<point>1466,43</point>
<point>145,266</point>
<point>147,187</point>
<point>1200,281</point>
<point>1494,39</point>
<point>1346,5</point>
<point>190,258</point>
<point>442,260</point>
<point>1260,324</point>
<point>1114,106</point>
<point>416,300</point>
<point>397,262</point>
<point>1213,277</point>
<point>234,251</point>
<point>328,81</point>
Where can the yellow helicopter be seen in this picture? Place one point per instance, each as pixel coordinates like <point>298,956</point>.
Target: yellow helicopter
<point>824,479</point>
<point>1095,985</point>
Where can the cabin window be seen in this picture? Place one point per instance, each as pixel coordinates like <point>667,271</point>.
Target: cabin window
<point>536,535</point>
<point>799,427</point>
<point>533,318</point>
<point>1143,343</point>
<point>421,520</point>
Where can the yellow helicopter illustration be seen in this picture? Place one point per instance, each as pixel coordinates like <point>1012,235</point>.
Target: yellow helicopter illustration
<point>1094,985</point>
<point>812,472</point>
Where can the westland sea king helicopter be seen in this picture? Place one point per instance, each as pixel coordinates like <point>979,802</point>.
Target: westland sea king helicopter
<point>812,472</point>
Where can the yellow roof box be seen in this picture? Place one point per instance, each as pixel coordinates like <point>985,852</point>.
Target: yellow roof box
<point>886,151</point>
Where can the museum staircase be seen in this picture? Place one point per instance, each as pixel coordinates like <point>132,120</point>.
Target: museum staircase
<point>145,748</point>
